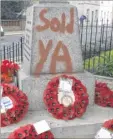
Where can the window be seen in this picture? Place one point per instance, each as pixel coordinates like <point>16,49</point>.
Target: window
<point>111,14</point>
<point>88,14</point>
<point>108,14</point>
<point>104,15</point>
<point>101,14</point>
<point>96,14</point>
<point>104,19</point>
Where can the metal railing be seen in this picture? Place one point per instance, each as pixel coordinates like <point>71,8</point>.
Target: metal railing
<point>13,52</point>
<point>97,48</point>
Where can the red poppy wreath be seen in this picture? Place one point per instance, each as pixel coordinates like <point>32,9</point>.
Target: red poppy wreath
<point>103,95</point>
<point>29,132</point>
<point>109,125</point>
<point>14,105</point>
<point>66,97</point>
<point>106,131</point>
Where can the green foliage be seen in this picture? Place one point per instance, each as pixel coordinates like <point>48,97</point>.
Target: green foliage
<point>102,65</point>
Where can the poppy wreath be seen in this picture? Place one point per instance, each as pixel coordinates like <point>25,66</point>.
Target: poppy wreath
<point>106,130</point>
<point>29,132</point>
<point>8,71</point>
<point>109,125</point>
<point>20,105</point>
<point>59,111</point>
<point>103,95</point>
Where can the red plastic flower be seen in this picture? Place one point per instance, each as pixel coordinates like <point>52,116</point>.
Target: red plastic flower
<point>29,132</point>
<point>20,105</point>
<point>5,78</point>
<point>103,95</point>
<point>59,111</point>
<point>8,70</point>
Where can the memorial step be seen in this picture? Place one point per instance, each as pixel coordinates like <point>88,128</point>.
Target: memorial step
<point>84,127</point>
<point>34,87</point>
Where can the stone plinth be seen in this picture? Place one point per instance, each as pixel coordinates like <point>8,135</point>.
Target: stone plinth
<point>34,87</point>
<point>84,127</point>
<point>52,47</point>
<point>52,41</point>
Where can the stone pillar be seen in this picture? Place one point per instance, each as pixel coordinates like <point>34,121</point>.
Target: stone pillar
<point>52,47</point>
<point>53,26</point>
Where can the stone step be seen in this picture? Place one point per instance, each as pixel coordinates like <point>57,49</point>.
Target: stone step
<point>35,86</point>
<point>84,127</point>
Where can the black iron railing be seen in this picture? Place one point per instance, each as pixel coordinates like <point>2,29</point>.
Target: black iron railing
<point>97,47</point>
<point>13,52</point>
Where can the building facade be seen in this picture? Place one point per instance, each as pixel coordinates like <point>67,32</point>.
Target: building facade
<point>93,10</point>
<point>106,11</point>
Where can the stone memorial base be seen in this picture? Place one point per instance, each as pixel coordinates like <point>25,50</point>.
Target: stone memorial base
<point>34,87</point>
<point>84,127</point>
